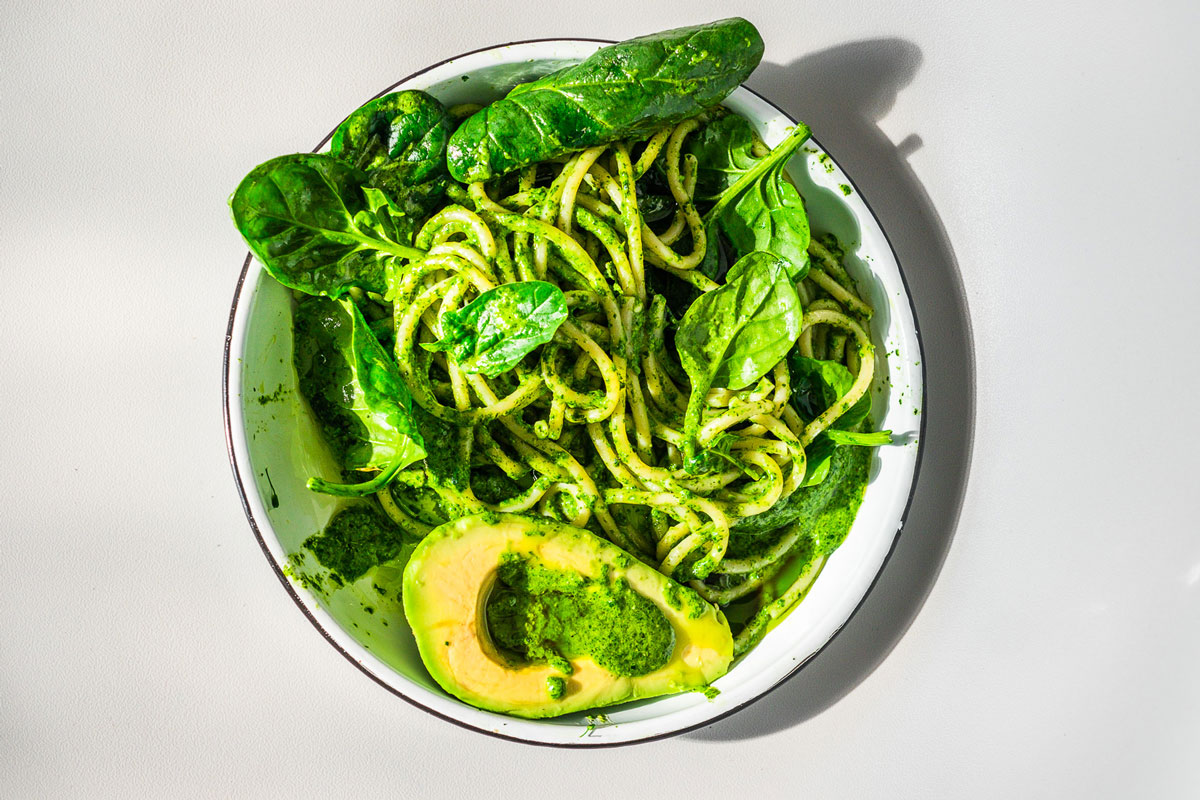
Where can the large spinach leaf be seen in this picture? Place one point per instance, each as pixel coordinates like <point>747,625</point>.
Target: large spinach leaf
<point>399,140</point>
<point>355,392</point>
<point>758,208</point>
<point>493,332</point>
<point>623,90</point>
<point>307,218</point>
<point>734,335</point>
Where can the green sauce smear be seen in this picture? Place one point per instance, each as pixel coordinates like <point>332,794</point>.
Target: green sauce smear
<point>541,615</point>
<point>356,540</point>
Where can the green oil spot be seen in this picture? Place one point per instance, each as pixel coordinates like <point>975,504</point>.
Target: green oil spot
<point>274,397</point>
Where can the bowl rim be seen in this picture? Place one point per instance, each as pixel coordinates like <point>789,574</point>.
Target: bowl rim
<point>227,399</point>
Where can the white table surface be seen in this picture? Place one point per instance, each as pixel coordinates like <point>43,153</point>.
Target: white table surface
<point>1037,633</point>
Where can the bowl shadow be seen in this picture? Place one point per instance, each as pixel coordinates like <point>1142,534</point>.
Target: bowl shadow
<point>841,93</point>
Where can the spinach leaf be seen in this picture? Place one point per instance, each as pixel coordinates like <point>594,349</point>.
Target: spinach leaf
<point>399,140</point>
<point>493,332</point>
<point>734,335</point>
<point>623,90</point>
<point>817,384</point>
<point>817,457</point>
<point>356,394</point>
<point>770,216</point>
<point>654,198</point>
<point>307,218</point>
<point>760,209</point>
<point>724,151</point>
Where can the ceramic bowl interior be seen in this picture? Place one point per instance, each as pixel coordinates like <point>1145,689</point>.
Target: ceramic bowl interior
<point>274,446</point>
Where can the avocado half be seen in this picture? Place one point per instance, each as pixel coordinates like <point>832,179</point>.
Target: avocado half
<point>446,587</point>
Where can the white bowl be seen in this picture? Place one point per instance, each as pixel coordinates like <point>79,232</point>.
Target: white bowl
<point>267,427</point>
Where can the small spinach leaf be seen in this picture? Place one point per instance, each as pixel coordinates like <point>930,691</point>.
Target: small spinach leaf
<point>307,219</point>
<point>626,89</point>
<point>816,460</point>
<point>734,335</point>
<point>761,209</point>
<point>399,140</point>
<point>355,392</point>
<point>724,151</point>
<point>817,384</point>
<point>493,332</point>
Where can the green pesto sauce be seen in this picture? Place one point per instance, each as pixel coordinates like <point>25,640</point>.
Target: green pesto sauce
<point>824,515</point>
<point>543,615</point>
<point>355,540</point>
<point>831,505</point>
<point>685,599</point>
<point>491,485</point>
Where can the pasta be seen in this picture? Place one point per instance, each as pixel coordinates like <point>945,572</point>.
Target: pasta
<point>593,431</point>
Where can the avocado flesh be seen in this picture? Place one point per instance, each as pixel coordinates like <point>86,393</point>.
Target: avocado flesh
<point>450,577</point>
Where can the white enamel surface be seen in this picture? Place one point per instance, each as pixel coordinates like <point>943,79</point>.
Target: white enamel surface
<point>271,437</point>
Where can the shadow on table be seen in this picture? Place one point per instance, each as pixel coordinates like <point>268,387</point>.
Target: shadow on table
<point>841,93</point>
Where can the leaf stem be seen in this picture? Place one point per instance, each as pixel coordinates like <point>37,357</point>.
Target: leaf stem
<point>372,486</point>
<point>691,425</point>
<point>402,250</point>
